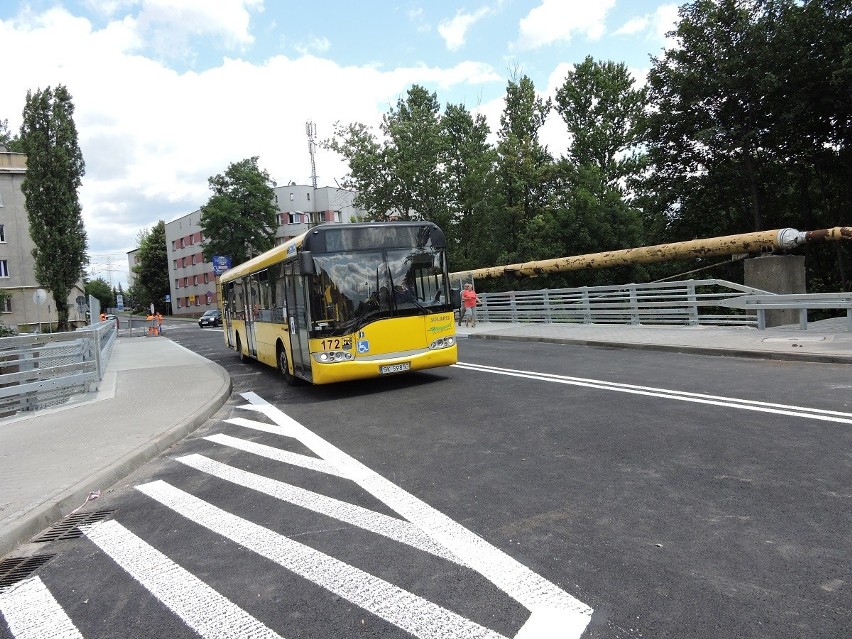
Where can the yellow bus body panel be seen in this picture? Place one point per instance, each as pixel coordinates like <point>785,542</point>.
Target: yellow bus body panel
<point>392,341</point>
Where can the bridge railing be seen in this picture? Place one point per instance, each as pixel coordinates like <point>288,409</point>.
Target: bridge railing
<point>688,302</point>
<point>41,370</point>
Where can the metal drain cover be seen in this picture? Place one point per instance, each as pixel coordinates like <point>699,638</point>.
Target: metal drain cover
<point>68,527</point>
<point>15,569</point>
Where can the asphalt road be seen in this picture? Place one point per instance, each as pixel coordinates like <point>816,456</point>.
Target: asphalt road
<point>677,495</point>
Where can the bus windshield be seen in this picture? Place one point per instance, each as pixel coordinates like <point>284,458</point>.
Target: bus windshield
<point>353,288</point>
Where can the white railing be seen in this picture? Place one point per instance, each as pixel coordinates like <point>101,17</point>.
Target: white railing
<point>46,369</point>
<point>689,302</point>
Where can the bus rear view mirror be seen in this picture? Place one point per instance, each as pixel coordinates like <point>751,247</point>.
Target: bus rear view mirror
<point>306,263</point>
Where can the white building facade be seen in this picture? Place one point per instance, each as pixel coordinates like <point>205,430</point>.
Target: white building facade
<point>21,311</point>
<point>192,282</point>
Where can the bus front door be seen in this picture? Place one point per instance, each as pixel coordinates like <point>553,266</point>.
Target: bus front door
<point>252,314</point>
<point>297,318</point>
<point>230,305</point>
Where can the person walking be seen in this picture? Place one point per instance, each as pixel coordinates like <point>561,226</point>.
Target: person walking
<point>469,302</point>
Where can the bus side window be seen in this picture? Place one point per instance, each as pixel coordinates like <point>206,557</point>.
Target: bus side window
<point>279,299</point>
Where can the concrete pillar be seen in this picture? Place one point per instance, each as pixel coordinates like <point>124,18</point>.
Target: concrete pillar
<point>777,274</point>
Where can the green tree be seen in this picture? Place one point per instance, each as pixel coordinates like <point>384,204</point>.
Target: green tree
<point>12,143</point>
<point>751,125</point>
<point>100,289</point>
<point>152,269</point>
<point>524,176</point>
<point>239,219</point>
<point>413,131</point>
<point>55,169</point>
<point>603,112</point>
<point>369,175</point>
<point>469,185</point>
<point>401,177</point>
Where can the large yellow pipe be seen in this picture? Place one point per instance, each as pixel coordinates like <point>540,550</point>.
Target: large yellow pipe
<point>759,242</point>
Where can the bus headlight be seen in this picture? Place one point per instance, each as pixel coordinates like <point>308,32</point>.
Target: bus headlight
<point>331,357</point>
<point>442,342</point>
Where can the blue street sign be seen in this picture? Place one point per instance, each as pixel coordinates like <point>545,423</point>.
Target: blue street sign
<point>221,263</point>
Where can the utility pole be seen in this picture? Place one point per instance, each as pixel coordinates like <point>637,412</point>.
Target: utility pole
<point>311,130</point>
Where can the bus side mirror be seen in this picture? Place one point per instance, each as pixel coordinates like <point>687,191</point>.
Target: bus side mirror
<point>456,297</point>
<point>306,263</point>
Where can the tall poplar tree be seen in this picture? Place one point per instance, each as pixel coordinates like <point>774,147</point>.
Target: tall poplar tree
<point>524,173</point>
<point>55,169</point>
<point>469,190</point>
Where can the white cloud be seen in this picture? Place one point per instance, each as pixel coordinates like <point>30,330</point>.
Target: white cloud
<point>633,26</point>
<point>559,20</point>
<point>151,136</point>
<point>314,44</point>
<point>453,31</point>
<point>654,25</point>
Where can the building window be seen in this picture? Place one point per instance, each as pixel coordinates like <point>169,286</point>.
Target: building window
<point>6,306</point>
<point>193,259</point>
<point>181,242</point>
<point>183,261</point>
<point>176,264</point>
<point>2,233</point>
<point>180,302</point>
<point>4,268</point>
<point>206,280</point>
<point>177,283</point>
<point>195,280</point>
<point>309,196</point>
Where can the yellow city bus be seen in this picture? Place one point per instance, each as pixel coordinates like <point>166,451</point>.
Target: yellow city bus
<point>343,302</point>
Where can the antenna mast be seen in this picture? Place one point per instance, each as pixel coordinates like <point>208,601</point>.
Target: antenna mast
<point>311,130</point>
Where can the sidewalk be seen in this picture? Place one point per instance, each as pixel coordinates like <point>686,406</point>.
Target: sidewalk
<point>827,341</point>
<point>156,392</point>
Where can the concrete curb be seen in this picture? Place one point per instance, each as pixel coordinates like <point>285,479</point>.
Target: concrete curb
<point>56,508</point>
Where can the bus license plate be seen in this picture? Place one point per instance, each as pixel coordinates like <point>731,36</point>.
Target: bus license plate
<point>395,368</point>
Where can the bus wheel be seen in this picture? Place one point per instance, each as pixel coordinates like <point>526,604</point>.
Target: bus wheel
<point>283,367</point>
<point>240,349</point>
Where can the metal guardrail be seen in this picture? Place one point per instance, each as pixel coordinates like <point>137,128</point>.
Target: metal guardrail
<point>793,301</point>
<point>689,302</point>
<point>46,369</point>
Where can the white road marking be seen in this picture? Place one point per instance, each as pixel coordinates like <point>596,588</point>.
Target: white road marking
<point>415,615</point>
<point>262,450</point>
<point>390,527</point>
<point>553,611</point>
<point>33,613</point>
<point>684,396</point>
<point>207,612</point>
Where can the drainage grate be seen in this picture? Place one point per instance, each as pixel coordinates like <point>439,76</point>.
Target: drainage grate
<point>15,569</point>
<point>68,527</point>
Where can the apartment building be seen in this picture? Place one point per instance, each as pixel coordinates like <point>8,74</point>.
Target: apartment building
<point>192,282</point>
<point>22,311</point>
